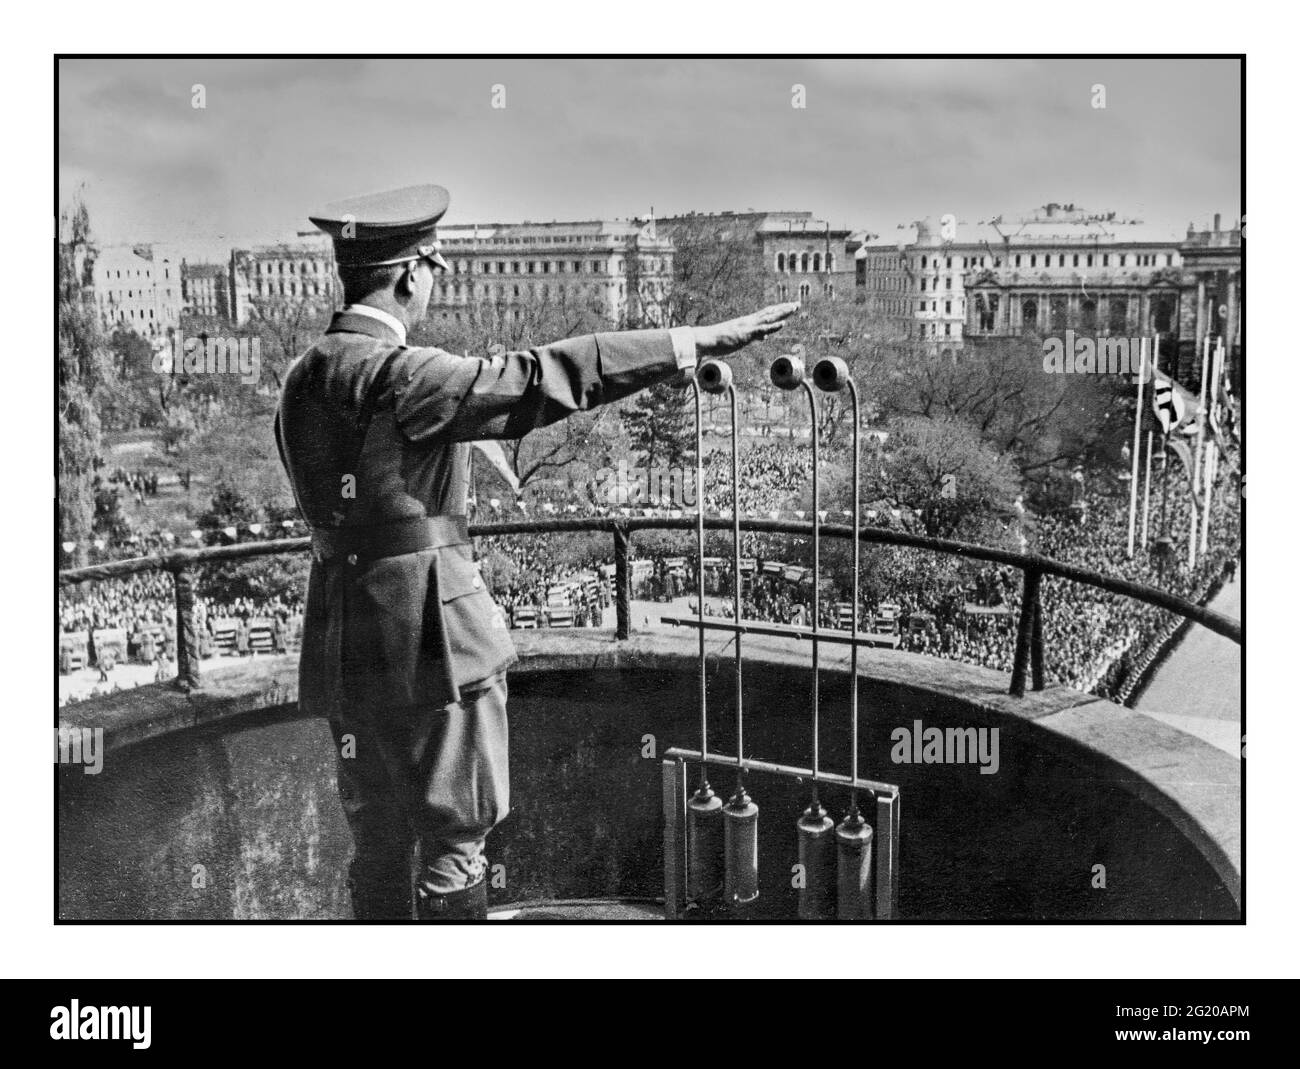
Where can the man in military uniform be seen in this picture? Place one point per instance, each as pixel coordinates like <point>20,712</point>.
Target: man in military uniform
<point>403,649</point>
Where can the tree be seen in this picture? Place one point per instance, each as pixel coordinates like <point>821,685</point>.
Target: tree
<point>137,395</point>
<point>229,506</point>
<point>109,520</point>
<point>84,370</point>
<point>660,424</point>
<point>844,329</point>
<point>285,327</point>
<point>1001,390</point>
<point>942,471</point>
<point>234,449</point>
<point>717,270</point>
<point>938,470</point>
<point>488,327</point>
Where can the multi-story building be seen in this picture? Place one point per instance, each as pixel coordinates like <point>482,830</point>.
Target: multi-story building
<point>205,291</point>
<point>137,288</point>
<point>886,284</point>
<point>949,283</point>
<point>617,270</point>
<point>801,258</point>
<point>1213,291</point>
<point>266,278</point>
<point>809,260</point>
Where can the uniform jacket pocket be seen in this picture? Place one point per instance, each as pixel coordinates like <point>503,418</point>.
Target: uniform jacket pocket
<point>470,632</point>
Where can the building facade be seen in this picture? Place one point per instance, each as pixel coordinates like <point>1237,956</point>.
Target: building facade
<point>949,284</point>
<point>205,291</point>
<point>266,278</point>
<point>1214,294</point>
<point>801,258</point>
<point>808,259</point>
<point>137,288</point>
<point>617,270</point>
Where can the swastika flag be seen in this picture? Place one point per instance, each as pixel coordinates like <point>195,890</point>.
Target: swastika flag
<point>1175,407</point>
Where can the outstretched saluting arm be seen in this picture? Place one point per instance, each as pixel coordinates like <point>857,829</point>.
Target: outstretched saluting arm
<point>441,396</point>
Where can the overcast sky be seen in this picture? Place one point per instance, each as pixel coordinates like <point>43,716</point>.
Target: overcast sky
<point>880,142</point>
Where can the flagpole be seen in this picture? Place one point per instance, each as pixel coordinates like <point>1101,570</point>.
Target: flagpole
<point>1211,465</point>
<point>1146,492</point>
<point>1211,450</point>
<point>1197,453</point>
<point>1201,412</point>
<point>1137,448</point>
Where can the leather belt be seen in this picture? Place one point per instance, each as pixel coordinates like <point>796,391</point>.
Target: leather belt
<point>374,541</point>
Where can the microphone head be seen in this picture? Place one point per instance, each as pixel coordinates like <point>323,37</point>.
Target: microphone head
<point>787,371</point>
<point>714,376</point>
<point>830,374</point>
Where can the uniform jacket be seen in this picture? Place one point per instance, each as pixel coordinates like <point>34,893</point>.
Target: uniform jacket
<point>418,628</point>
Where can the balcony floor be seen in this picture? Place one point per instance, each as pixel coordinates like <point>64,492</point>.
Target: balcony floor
<point>591,909</point>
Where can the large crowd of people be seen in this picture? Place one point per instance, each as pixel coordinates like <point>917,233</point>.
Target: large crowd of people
<point>133,620</point>
<point>772,476</point>
<point>960,610</point>
<point>531,572</point>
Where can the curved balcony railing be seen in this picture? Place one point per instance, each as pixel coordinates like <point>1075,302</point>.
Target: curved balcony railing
<point>1027,665</point>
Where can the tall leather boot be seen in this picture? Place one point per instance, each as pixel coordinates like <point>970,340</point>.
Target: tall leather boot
<point>372,901</point>
<point>467,904</point>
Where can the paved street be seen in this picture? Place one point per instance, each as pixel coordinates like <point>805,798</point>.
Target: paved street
<point>1198,688</point>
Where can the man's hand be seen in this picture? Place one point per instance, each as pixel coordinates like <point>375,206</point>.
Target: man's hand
<point>724,338</point>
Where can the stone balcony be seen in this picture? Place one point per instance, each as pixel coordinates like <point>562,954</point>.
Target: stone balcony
<point>221,803</point>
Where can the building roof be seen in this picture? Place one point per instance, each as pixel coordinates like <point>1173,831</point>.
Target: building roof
<point>306,245</point>
<point>587,228</point>
<point>126,253</point>
<point>1053,225</point>
<point>764,222</point>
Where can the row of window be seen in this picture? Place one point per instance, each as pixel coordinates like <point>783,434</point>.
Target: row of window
<point>947,283</point>
<point>453,291</point>
<point>295,267</point>
<point>805,290</point>
<point>803,263</point>
<point>876,263</point>
<point>545,239</point>
<point>139,323</point>
<point>312,288</point>
<point>548,267</point>
<point>921,330</point>
<point>139,273</point>
<point>883,264</point>
<point>1141,259</point>
<point>132,295</point>
<point>966,262</point>
<point>947,307</point>
<point>124,314</point>
<point>1075,259</point>
<point>892,282</point>
<point>896,307</point>
<point>1163,313</point>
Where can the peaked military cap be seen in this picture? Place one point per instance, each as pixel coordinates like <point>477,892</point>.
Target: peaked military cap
<point>385,228</point>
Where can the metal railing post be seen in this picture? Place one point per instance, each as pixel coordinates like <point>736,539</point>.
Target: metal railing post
<point>1029,659</point>
<point>1036,646</point>
<point>187,631</point>
<point>622,583</point>
<point>1025,632</point>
